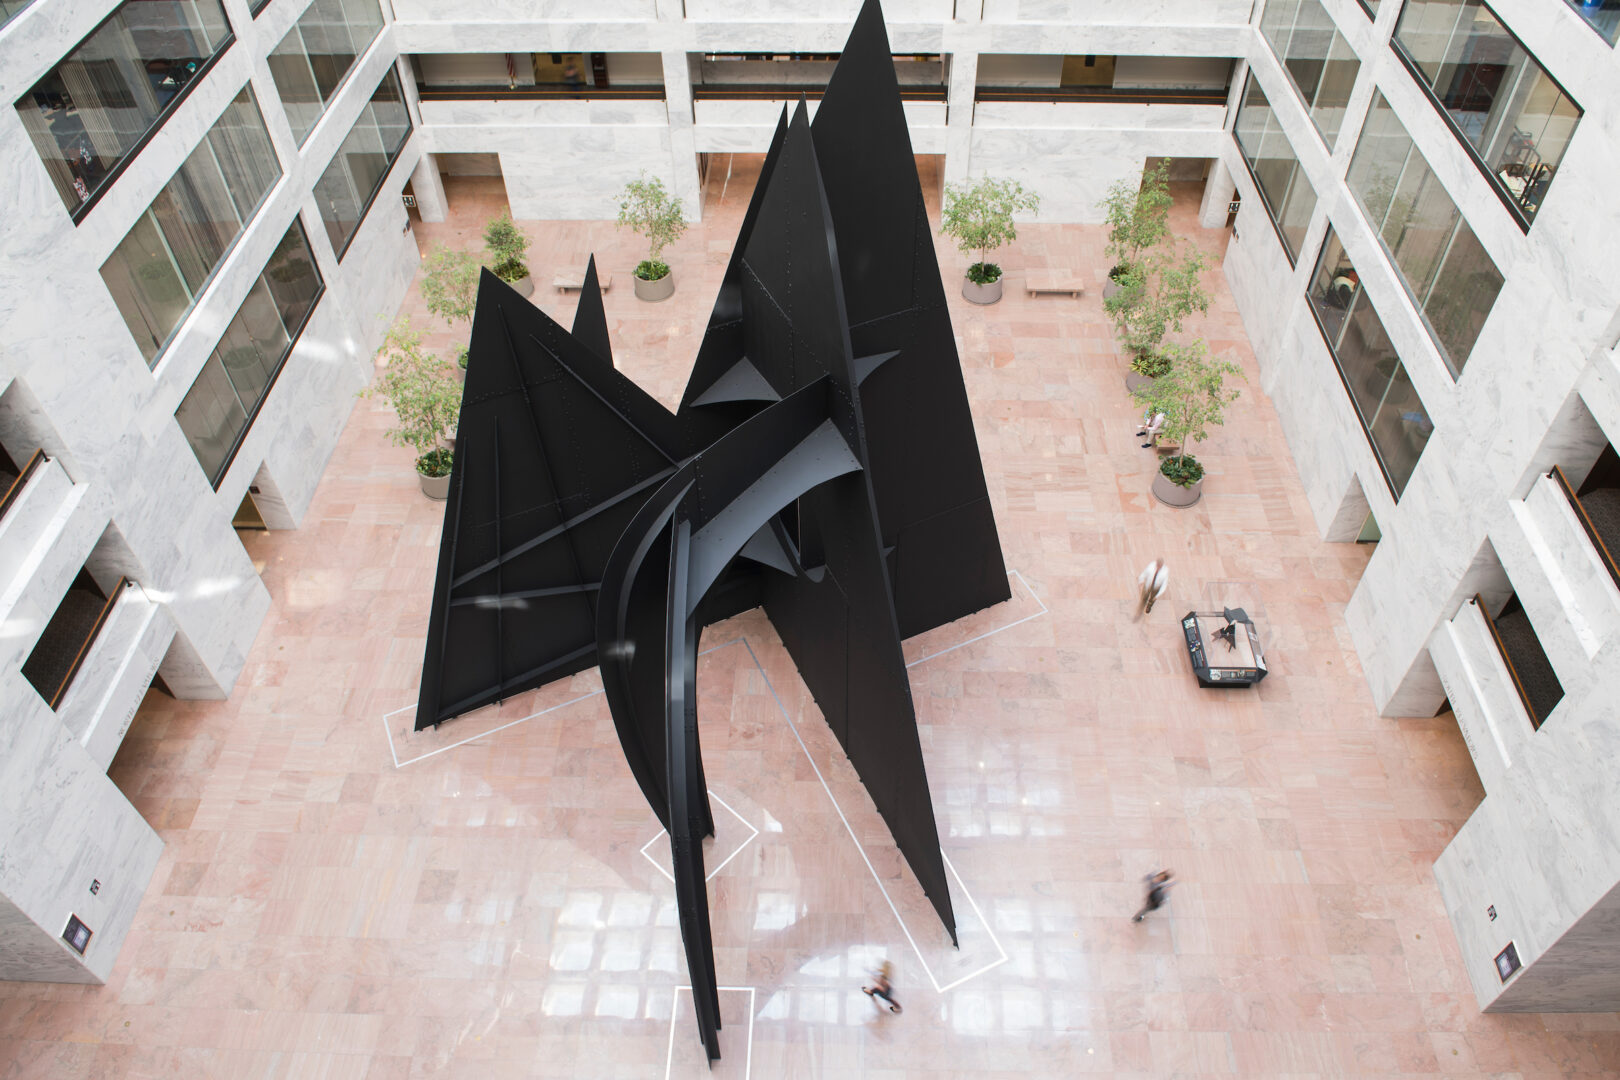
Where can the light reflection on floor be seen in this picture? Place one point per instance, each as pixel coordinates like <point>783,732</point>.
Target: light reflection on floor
<point>487,912</point>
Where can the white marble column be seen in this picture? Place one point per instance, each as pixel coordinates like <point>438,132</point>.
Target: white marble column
<point>429,189</point>
<point>959,116</point>
<point>1219,190</point>
<point>682,141</point>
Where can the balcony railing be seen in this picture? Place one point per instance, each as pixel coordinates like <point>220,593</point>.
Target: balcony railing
<point>12,490</point>
<point>1605,553</point>
<point>1533,675</point>
<point>542,92</point>
<point>789,92</point>
<point>66,641</point>
<point>1100,95</point>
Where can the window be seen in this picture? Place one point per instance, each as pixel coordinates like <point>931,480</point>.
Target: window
<point>8,8</point>
<point>1452,280</point>
<point>1397,424</point>
<point>156,272</point>
<point>98,106</point>
<point>1288,196</point>
<point>1318,59</point>
<point>220,406</point>
<point>1602,15</point>
<point>346,189</point>
<point>311,61</point>
<point>1506,109</point>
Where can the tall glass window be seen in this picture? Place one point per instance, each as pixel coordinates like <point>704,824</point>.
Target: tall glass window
<point>156,272</point>
<point>1504,106</point>
<point>1603,15</point>
<point>311,61</point>
<point>220,406</point>
<point>1452,280</point>
<point>1397,424</point>
<point>346,189</point>
<point>1318,59</point>
<point>97,106</point>
<point>8,8</point>
<point>1288,196</point>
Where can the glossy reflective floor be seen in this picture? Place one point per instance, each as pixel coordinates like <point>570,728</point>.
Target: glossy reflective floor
<point>340,897</point>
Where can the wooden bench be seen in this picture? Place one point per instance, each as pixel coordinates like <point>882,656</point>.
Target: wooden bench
<point>575,279</point>
<point>1054,281</point>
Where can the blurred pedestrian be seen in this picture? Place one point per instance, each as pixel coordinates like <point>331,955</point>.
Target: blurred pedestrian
<point>1158,892</point>
<point>882,987</point>
<point>1152,581</point>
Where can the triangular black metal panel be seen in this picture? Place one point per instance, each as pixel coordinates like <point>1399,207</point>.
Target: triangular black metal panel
<point>590,318</point>
<point>722,338</point>
<point>849,653</point>
<point>932,501</point>
<point>523,546</point>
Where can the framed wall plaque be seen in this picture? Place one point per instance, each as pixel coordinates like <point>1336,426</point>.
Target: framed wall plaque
<point>77,935</point>
<point>1507,962</point>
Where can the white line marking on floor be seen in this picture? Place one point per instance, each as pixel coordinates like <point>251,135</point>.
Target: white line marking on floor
<point>728,858</point>
<point>675,1008</point>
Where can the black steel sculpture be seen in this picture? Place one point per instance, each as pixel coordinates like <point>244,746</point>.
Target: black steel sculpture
<point>822,464</point>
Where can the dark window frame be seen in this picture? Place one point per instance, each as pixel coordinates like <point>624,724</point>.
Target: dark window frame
<point>1412,68</point>
<point>1338,367</point>
<point>393,160</point>
<point>225,256</point>
<point>293,337</point>
<point>80,212</point>
<point>343,83</point>
<point>1265,201</point>
<point>257,6</point>
<point>1371,14</point>
<point>1607,40</point>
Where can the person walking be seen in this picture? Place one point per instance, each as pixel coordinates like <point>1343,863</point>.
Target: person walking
<point>882,987</point>
<point>1158,892</point>
<point>1152,581</point>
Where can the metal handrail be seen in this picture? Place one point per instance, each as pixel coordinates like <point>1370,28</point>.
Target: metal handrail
<point>1501,647</point>
<point>90,639</point>
<point>14,492</point>
<point>1586,522</point>
<point>790,92</point>
<point>1101,95</point>
<point>544,92</point>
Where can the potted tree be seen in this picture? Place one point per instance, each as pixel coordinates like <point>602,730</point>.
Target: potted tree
<point>979,217</point>
<point>450,290</point>
<point>506,245</point>
<point>1138,219</point>
<point>1192,394</point>
<point>651,211</point>
<point>426,402</point>
<point>1155,297</point>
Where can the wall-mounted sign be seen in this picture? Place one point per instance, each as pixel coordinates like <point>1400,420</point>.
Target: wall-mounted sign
<point>1491,912</point>
<point>1507,962</point>
<point>408,200</point>
<point>77,935</point>
<point>1234,206</point>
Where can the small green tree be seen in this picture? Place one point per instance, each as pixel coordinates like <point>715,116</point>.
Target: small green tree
<point>1192,394</point>
<point>450,288</point>
<point>426,401</point>
<point>1156,295</point>
<point>979,217</point>
<point>649,210</point>
<point>1138,217</point>
<point>506,245</point>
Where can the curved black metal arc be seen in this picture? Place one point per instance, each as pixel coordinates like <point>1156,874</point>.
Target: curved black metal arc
<point>616,645</point>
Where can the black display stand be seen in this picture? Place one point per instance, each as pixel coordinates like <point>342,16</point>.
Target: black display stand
<point>1224,648</point>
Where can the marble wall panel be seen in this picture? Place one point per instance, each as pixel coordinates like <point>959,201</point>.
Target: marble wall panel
<point>1130,12</point>
<point>1072,169</point>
